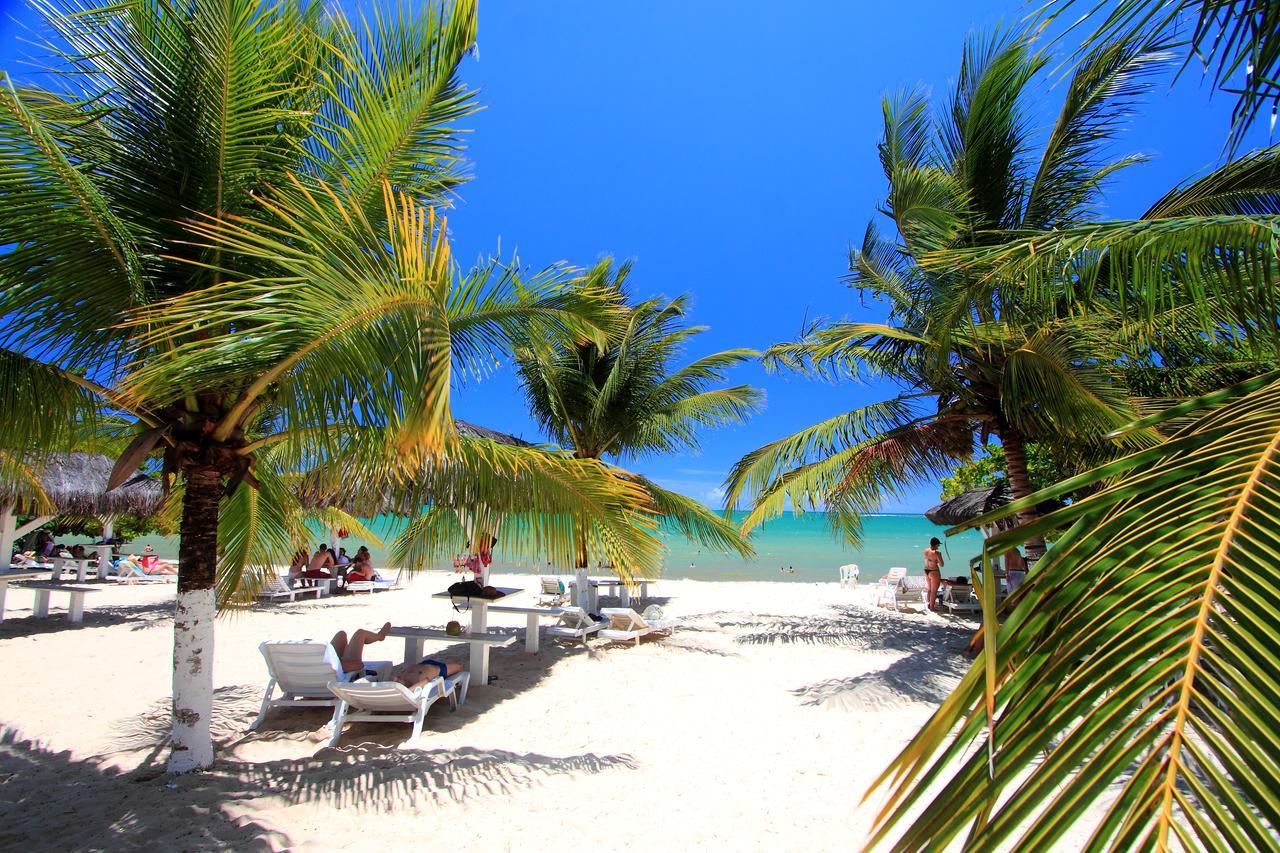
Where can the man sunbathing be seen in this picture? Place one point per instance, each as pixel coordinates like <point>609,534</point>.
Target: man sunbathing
<point>413,675</point>
<point>351,651</point>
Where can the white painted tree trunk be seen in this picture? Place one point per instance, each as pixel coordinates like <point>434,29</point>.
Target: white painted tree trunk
<point>192,681</point>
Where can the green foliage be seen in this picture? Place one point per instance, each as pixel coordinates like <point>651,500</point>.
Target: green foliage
<point>623,397</point>
<point>1234,42</point>
<point>972,356</point>
<point>1140,652</point>
<point>988,469</point>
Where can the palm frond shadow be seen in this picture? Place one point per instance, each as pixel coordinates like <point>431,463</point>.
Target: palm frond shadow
<point>149,807</point>
<point>924,676</point>
<point>927,673</point>
<point>847,625</point>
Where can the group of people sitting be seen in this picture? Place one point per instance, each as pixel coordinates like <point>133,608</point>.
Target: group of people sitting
<point>47,549</point>
<point>350,650</point>
<point>327,564</point>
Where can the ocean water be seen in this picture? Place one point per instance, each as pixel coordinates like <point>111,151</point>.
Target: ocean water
<point>803,543</point>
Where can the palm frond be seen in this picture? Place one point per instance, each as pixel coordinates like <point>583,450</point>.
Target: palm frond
<point>394,97</point>
<point>1137,661</point>
<point>1101,95</point>
<point>1232,41</point>
<point>695,521</point>
<point>1248,186</point>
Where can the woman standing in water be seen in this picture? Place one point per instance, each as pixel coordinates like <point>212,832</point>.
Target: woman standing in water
<point>933,571</point>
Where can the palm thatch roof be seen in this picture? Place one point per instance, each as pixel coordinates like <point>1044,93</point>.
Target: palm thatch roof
<point>969,505</point>
<point>475,431</point>
<point>76,484</point>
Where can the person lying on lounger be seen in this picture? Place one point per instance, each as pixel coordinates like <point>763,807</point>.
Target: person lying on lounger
<point>153,565</point>
<point>413,675</point>
<point>351,649</point>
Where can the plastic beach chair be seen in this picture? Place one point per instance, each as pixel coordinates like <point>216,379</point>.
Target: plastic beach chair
<point>552,589</point>
<point>574,624</point>
<point>625,625</point>
<point>302,669</point>
<point>384,702</point>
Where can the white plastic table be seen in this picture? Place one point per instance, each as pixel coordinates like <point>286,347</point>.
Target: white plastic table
<point>5,577</point>
<point>614,585</point>
<point>479,637</point>
<point>532,615</point>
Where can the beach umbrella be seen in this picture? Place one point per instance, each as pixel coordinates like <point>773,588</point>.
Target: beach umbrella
<point>72,484</point>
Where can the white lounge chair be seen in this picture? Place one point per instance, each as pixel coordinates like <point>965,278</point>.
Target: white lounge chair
<point>385,702</point>
<point>302,669</point>
<point>626,625</point>
<point>907,589</point>
<point>276,588</point>
<point>960,598</point>
<point>553,591</point>
<point>376,585</point>
<point>574,624</point>
<point>128,573</point>
<point>884,589</point>
<point>849,576</point>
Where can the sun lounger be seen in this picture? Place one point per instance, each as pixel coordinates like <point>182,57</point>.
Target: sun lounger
<point>375,585</point>
<point>906,590</point>
<point>574,624</point>
<point>384,702</point>
<point>885,589</point>
<point>302,669</point>
<point>553,592</point>
<point>960,598</point>
<point>625,625</point>
<point>128,573</point>
<point>276,588</point>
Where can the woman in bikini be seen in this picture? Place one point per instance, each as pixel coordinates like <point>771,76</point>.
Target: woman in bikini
<point>351,651</point>
<point>933,571</point>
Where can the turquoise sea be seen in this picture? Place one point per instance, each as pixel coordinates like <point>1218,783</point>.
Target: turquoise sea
<point>803,543</point>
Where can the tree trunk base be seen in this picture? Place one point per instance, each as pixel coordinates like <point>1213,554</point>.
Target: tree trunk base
<point>192,680</point>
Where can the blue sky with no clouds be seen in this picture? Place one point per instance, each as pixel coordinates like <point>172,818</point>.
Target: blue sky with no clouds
<point>730,148</point>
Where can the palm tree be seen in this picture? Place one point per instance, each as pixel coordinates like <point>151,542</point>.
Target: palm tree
<point>223,231</point>
<point>973,358</point>
<point>624,399</point>
<point>1136,671</point>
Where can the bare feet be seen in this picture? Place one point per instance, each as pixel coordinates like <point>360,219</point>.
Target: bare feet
<point>386,629</point>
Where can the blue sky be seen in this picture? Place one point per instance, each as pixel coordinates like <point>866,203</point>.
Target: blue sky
<point>730,148</point>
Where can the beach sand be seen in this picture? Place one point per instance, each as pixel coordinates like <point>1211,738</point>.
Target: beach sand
<point>758,725</point>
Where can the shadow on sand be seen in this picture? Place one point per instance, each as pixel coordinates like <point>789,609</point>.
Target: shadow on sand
<point>50,799</point>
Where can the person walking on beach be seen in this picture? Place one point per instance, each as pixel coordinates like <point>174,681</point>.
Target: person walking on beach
<point>933,571</point>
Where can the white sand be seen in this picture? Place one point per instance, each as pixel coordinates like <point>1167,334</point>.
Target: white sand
<point>758,725</point>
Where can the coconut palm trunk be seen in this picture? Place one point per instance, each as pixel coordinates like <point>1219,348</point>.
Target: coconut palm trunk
<point>193,635</point>
<point>1015,456</point>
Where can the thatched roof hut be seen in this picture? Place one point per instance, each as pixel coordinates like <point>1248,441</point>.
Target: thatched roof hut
<point>969,505</point>
<point>471,430</point>
<point>76,484</point>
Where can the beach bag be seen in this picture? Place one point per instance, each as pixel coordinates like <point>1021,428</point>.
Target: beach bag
<point>464,589</point>
<point>491,592</point>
